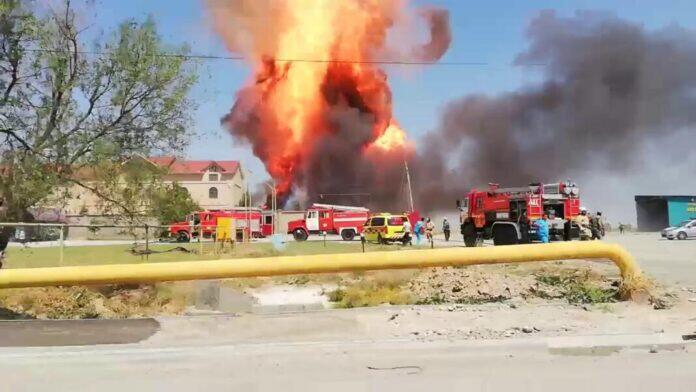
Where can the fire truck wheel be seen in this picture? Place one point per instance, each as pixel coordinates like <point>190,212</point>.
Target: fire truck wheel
<point>300,235</point>
<point>347,235</point>
<point>469,232</point>
<point>505,235</point>
<point>183,236</point>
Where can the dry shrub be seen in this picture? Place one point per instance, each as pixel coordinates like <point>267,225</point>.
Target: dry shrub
<point>110,301</point>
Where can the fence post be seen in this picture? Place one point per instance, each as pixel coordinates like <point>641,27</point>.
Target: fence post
<point>61,244</point>
<point>147,242</point>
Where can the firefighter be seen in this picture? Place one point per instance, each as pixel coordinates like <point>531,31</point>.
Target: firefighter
<point>543,228</point>
<point>567,226</point>
<point>446,229</point>
<point>584,223</point>
<point>596,226</point>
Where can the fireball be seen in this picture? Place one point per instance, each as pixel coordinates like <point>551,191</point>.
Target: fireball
<point>319,100</point>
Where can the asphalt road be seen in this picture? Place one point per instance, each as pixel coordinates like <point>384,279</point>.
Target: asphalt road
<point>670,262</point>
<point>344,366</point>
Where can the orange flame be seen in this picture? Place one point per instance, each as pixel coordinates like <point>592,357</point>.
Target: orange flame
<point>315,79</point>
<point>393,138</point>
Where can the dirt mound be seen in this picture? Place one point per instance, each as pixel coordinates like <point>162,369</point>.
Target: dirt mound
<point>482,284</point>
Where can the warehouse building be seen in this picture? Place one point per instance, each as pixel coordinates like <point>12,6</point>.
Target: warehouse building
<point>657,212</point>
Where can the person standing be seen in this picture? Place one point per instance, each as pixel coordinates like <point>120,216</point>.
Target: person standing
<point>446,229</point>
<point>543,228</point>
<point>594,227</point>
<point>418,230</point>
<point>583,223</point>
<point>407,232</point>
<point>621,228</point>
<point>600,225</point>
<point>567,226</point>
<point>429,228</point>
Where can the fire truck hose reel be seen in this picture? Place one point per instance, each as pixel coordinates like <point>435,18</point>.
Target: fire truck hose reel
<point>632,278</point>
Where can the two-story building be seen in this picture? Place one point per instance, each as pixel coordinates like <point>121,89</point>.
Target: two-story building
<point>213,184</point>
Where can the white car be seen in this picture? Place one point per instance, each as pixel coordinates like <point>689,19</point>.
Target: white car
<point>684,230</point>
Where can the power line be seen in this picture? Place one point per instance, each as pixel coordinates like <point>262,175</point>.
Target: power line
<point>298,60</point>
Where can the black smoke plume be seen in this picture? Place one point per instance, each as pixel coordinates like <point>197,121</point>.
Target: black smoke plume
<point>609,89</point>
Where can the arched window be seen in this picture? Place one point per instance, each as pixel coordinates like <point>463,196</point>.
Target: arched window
<point>213,193</point>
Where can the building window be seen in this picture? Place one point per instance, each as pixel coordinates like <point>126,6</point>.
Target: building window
<point>213,177</point>
<point>213,193</point>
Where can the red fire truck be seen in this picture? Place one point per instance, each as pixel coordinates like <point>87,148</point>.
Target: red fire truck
<point>206,221</point>
<point>333,219</point>
<point>507,214</point>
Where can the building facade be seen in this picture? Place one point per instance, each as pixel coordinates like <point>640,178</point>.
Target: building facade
<point>656,212</point>
<point>213,185</point>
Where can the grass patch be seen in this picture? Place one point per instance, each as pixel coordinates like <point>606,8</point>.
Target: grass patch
<point>26,257</point>
<point>436,299</point>
<point>375,288</point>
<point>587,293</point>
<point>580,288</point>
<point>362,295</point>
<point>336,295</point>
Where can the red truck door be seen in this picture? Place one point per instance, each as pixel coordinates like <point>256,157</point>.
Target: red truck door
<point>267,224</point>
<point>326,220</point>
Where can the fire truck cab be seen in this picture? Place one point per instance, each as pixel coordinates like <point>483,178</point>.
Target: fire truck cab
<point>507,215</point>
<point>331,219</point>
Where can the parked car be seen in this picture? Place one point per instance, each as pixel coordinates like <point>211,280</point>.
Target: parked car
<point>684,230</point>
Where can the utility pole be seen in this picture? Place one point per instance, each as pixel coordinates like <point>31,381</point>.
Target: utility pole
<point>247,199</point>
<point>408,182</point>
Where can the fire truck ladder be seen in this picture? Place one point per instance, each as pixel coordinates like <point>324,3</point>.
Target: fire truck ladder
<point>516,191</point>
<point>340,208</point>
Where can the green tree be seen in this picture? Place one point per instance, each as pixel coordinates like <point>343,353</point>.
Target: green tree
<point>171,203</point>
<point>66,107</point>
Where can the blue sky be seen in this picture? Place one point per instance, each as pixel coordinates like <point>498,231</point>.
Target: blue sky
<point>491,31</point>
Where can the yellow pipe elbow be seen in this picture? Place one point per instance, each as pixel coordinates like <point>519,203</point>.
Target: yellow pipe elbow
<point>632,279</point>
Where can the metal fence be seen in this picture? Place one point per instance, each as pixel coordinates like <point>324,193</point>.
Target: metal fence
<point>63,244</point>
<point>48,241</point>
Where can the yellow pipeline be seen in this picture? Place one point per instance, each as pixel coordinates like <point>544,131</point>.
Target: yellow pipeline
<point>288,265</point>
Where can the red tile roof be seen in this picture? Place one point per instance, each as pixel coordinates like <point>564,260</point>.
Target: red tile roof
<point>178,166</point>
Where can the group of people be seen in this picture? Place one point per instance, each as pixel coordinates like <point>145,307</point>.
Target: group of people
<point>591,226</point>
<point>424,226</point>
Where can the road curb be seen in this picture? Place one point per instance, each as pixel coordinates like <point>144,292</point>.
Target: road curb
<point>608,344</point>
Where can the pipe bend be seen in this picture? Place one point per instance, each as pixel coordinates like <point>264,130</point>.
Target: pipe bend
<point>632,278</point>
